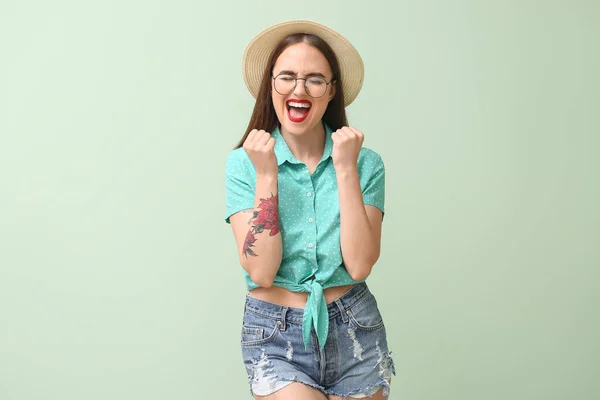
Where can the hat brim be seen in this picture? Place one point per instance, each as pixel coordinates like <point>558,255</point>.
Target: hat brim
<point>257,53</point>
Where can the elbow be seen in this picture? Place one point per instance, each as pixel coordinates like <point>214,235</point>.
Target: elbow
<point>260,275</point>
<point>262,280</point>
<point>360,273</point>
<point>261,272</point>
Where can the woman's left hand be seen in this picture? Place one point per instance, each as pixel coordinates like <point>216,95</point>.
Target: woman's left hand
<point>347,142</point>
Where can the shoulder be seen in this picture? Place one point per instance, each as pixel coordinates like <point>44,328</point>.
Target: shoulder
<point>239,167</point>
<point>369,159</point>
<point>236,154</point>
<point>239,164</point>
<point>237,158</point>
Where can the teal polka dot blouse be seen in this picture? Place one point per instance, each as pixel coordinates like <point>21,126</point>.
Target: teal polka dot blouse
<point>309,217</point>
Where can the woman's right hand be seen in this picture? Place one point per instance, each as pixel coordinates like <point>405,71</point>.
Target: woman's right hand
<point>259,146</point>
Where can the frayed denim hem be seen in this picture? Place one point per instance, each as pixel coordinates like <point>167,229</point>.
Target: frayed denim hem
<point>368,391</point>
<point>263,380</point>
<point>386,370</point>
<point>281,383</point>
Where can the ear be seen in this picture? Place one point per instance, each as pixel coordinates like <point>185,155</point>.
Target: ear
<point>332,91</point>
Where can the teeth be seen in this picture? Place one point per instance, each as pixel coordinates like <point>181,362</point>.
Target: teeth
<point>299,105</point>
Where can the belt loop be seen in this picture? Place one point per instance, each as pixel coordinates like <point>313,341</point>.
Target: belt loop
<point>283,318</point>
<point>342,310</point>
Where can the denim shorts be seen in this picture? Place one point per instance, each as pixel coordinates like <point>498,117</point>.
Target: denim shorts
<point>355,361</point>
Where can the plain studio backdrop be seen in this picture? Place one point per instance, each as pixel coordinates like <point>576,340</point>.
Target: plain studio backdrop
<point>119,278</point>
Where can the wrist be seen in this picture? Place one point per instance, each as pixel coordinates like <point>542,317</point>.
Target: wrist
<point>267,176</point>
<point>346,171</point>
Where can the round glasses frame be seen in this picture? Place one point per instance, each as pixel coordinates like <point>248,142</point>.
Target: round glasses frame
<point>296,84</point>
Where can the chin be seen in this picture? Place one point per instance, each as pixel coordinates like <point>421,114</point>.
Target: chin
<point>296,129</point>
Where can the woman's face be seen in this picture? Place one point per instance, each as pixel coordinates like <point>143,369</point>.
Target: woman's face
<point>298,112</point>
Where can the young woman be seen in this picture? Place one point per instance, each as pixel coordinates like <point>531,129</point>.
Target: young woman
<point>305,201</point>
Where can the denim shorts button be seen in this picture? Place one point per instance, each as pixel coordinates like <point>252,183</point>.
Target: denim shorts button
<point>348,312</point>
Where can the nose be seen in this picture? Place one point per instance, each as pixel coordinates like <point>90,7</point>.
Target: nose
<point>300,88</point>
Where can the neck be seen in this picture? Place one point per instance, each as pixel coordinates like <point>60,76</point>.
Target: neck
<point>308,145</point>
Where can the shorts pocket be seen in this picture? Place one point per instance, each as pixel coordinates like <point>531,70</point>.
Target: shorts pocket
<point>258,330</point>
<point>365,314</point>
<point>250,334</point>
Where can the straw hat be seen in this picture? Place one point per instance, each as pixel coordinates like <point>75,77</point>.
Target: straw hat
<point>258,51</point>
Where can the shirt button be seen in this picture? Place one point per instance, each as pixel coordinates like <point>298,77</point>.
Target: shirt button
<point>309,194</point>
<point>310,245</point>
<point>310,220</point>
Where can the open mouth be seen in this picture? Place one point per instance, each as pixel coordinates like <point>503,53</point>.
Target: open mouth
<point>298,109</point>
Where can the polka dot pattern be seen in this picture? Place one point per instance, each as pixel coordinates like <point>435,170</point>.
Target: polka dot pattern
<point>309,210</point>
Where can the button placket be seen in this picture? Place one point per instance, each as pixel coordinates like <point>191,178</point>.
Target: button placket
<point>313,236</point>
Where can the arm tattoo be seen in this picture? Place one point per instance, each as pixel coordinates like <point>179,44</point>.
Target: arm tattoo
<point>265,219</point>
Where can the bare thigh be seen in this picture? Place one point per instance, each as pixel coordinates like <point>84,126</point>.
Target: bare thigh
<point>295,391</point>
<point>376,396</point>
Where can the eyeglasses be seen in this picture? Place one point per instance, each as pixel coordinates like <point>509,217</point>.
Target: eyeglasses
<point>315,87</point>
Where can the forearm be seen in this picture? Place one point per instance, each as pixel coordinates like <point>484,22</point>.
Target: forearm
<point>261,251</point>
<point>360,249</point>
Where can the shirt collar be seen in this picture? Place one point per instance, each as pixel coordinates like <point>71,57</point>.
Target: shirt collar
<point>283,152</point>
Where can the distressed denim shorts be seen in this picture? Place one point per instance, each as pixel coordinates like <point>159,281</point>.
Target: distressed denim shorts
<point>355,361</point>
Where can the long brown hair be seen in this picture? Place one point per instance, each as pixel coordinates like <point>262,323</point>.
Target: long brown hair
<point>264,116</point>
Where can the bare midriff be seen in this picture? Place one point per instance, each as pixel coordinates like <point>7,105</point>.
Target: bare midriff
<point>285,297</point>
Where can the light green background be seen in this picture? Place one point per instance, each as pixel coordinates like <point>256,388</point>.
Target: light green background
<point>119,278</point>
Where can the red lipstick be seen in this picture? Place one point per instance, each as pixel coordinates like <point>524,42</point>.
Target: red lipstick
<point>300,113</point>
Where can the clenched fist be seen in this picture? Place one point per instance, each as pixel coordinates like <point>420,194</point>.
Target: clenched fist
<point>259,146</point>
<point>347,142</point>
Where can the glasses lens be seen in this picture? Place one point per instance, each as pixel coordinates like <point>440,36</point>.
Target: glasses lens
<point>316,87</point>
<point>284,84</point>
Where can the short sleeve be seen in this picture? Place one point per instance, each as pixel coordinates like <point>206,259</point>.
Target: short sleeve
<point>374,191</point>
<point>239,194</point>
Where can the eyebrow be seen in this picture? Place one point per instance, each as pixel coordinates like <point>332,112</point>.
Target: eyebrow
<point>308,75</point>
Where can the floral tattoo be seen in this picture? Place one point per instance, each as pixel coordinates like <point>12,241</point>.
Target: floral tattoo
<point>265,219</point>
